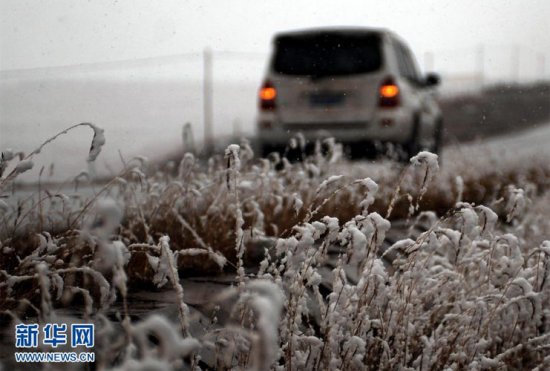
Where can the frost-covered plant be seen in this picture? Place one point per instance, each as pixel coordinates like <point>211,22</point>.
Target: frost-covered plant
<point>338,265</point>
<point>26,163</point>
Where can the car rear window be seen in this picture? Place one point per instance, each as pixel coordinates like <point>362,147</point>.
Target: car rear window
<point>327,54</point>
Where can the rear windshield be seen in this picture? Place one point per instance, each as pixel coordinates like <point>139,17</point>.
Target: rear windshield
<point>327,54</point>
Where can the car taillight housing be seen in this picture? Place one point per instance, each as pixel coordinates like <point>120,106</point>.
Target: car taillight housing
<point>268,95</point>
<point>388,93</point>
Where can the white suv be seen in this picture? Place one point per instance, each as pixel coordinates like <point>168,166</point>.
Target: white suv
<point>361,86</point>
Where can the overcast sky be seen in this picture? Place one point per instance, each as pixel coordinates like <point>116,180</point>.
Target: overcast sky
<point>40,33</point>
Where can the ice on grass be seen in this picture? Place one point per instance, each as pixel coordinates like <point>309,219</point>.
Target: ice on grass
<point>331,180</point>
<point>186,165</point>
<point>297,203</point>
<point>488,218</point>
<point>108,215</point>
<point>426,158</point>
<point>232,152</point>
<point>372,189</point>
<point>339,286</point>
<point>516,202</point>
<point>23,166</point>
<point>171,345</point>
<point>97,142</point>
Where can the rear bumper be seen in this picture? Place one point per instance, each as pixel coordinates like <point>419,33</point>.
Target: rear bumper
<point>355,149</point>
<point>393,126</point>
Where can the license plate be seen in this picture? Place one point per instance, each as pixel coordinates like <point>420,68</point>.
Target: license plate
<point>326,98</point>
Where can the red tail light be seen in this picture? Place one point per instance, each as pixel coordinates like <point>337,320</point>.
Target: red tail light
<point>268,94</point>
<point>388,93</point>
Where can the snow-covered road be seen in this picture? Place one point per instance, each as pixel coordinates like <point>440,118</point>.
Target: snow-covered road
<point>533,142</point>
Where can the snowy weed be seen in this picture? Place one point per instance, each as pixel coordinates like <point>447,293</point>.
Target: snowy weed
<point>456,275</point>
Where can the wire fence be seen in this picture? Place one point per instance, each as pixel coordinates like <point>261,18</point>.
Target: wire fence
<point>462,69</point>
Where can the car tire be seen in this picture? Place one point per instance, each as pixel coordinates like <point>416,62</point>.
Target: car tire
<point>438,137</point>
<point>412,147</point>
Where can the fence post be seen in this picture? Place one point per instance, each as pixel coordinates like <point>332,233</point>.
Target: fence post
<point>207,101</point>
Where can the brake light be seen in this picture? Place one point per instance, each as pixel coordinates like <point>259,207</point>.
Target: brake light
<point>267,94</point>
<point>388,93</point>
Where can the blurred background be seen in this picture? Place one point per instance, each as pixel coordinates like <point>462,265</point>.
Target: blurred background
<point>142,70</point>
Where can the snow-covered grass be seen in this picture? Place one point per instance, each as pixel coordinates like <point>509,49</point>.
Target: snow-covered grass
<point>325,275</point>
